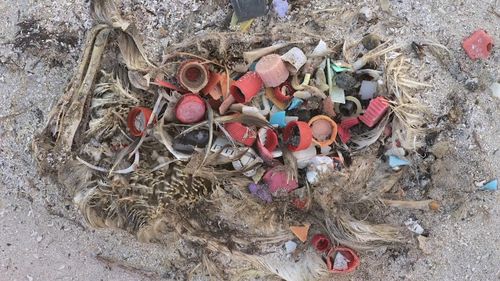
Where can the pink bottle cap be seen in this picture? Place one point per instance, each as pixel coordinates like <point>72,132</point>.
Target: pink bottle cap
<point>190,109</point>
<point>272,70</point>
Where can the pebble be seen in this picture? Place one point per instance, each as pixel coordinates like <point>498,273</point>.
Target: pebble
<point>472,84</point>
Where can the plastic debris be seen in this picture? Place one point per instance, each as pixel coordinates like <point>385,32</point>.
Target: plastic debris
<point>491,185</point>
<point>396,162</point>
<point>277,179</point>
<point>267,142</point>
<point>478,45</point>
<point>344,134</point>
<point>297,135</point>
<point>495,89</point>
<point>284,92</point>
<point>342,260</point>
<point>368,89</point>
<point>249,160</point>
<point>249,9</point>
<point>304,156</point>
<point>321,243</point>
<point>190,109</point>
<point>345,81</point>
<point>241,133</point>
<point>337,94</point>
<point>260,192</point>
<point>187,143</point>
<point>137,120</point>
<point>295,103</point>
<point>281,7</point>
<point>192,75</point>
<point>414,226</point>
<point>324,130</point>
<point>294,59</point>
<point>272,70</point>
<point>278,119</point>
<point>318,166</point>
<point>349,122</point>
<point>290,247</point>
<point>320,50</point>
<point>338,68</point>
<point>301,232</point>
<point>375,111</point>
<point>246,88</point>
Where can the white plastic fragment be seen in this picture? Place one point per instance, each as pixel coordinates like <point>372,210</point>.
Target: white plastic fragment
<point>495,89</point>
<point>318,166</point>
<point>290,247</point>
<point>414,226</point>
<point>304,156</point>
<point>340,262</point>
<point>294,59</point>
<point>368,89</point>
<point>249,159</point>
<point>320,50</point>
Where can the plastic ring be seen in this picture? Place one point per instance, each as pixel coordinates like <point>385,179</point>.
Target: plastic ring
<point>333,125</point>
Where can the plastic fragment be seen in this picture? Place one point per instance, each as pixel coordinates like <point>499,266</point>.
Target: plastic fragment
<point>301,232</point>
<point>267,142</point>
<point>280,7</point>
<point>495,89</point>
<point>295,103</point>
<point>249,160</point>
<point>260,192</point>
<point>297,135</point>
<point>246,88</point>
<point>491,185</point>
<point>414,226</point>
<point>320,242</point>
<point>396,162</point>
<point>278,119</point>
<point>284,92</point>
<point>277,179</point>
<point>192,75</point>
<point>375,111</point>
<point>338,68</point>
<point>294,59</point>
<point>137,119</point>
<point>304,156</point>
<point>190,109</point>
<point>320,50</point>
<point>342,260</point>
<point>290,247</point>
<point>241,133</point>
<point>368,89</point>
<point>344,134</point>
<point>346,81</point>
<point>318,166</point>
<point>272,70</point>
<point>249,9</point>
<point>478,45</point>
<point>349,122</point>
<point>337,95</point>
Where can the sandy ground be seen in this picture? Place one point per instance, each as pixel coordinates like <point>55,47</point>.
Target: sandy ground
<point>43,238</point>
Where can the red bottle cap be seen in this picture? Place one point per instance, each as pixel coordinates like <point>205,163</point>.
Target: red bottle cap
<point>278,179</point>
<point>190,109</point>
<point>247,87</point>
<point>321,242</point>
<point>478,45</point>
<point>284,92</point>
<point>351,257</point>
<point>267,141</point>
<point>137,119</point>
<point>375,111</point>
<point>241,133</point>
<point>192,75</point>
<point>304,138</point>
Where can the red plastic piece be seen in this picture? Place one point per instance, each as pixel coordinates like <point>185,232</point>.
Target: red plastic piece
<point>190,109</point>
<point>344,134</point>
<point>348,254</point>
<point>270,144</point>
<point>277,179</point>
<point>132,120</point>
<point>321,243</point>
<point>280,95</point>
<point>478,45</point>
<point>300,204</point>
<point>375,111</point>
<point>241,133</point>
<point>247,87</point>
<point>305,134</point>
<point>168,85</point>
<point>349,122</point>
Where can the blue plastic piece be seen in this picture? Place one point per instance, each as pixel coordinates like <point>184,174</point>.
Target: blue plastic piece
<point>278,119</point>
<point>395,161</point>
<point>280,7</point>
<point>252,66</point>
<point>491,186</point>
<point>295,103</point>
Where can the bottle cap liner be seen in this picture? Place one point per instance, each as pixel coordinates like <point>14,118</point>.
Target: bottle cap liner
<point>297,142</point>
<point>272,70</point>
<point>328,140</point>
<point>241,133</point>
<point>246,88</point>
<point>137,120</point>
<point>375,111</point>
<point>348,255</point>
<point>192,75</point>
<point>190,109</point>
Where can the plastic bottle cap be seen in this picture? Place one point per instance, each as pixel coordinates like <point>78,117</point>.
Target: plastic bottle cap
<point>324,130</point>
<point>278,179</point>
<point>190,109</point>
<point>192,75</point>
<point>267,142</point>
<point>246,88</point>
<point>321,242</point>
<point>241,133</point>
<point>137,119</point>
<point>272,70</point>
<point>349,255</point>
<point>298,135</point>
<point>284,92</point>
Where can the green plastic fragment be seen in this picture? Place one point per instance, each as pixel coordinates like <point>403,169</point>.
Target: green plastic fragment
<point>338,68</point>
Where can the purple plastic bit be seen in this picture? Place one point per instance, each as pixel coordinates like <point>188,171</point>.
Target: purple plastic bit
<point>261,192</point>
<point>281,7</point>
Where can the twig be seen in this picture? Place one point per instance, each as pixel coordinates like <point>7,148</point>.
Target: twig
<point>110,262</point>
